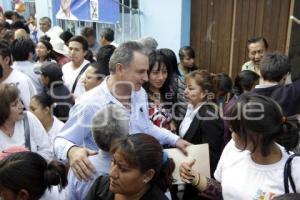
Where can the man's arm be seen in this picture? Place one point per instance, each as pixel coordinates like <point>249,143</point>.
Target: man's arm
<point>167,137</point>
<point>163,135</point>
<point>72,136</point>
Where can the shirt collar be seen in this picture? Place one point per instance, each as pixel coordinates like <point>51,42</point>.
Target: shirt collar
<point>265,85</point>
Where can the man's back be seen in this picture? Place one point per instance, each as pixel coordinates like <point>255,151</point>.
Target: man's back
<point>287,96</point>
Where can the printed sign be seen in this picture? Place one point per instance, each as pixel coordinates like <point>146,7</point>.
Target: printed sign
<point>104,11</point>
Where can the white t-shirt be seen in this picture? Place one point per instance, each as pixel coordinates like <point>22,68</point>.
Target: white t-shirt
<point>24,84</point>
<point>54,130</point>
<point>242,178</point>
<point>69,76</point>
<point>54,194</point>
<point>39,140</point>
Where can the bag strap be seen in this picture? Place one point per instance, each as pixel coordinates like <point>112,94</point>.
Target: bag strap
<point>78,76</point>
<point>287,175</point>
<point>27,132</point>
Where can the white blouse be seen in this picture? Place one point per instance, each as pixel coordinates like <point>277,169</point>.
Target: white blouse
<point>191,112</point>
<point>39,139</point>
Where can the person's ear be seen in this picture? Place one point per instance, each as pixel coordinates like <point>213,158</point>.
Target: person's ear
<point>283,80</point>
<point>47,109</point>
<point>148,176</point>
<point>119,68</point>
<point>205,94</point>
<point>7,60</point>
<point>47,80</point>
<point>23,195</point>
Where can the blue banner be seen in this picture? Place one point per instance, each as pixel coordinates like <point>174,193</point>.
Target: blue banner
<point>104,11</point>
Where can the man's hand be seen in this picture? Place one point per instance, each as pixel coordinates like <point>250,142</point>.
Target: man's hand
<point>79,162</point>
<point>182,144</point>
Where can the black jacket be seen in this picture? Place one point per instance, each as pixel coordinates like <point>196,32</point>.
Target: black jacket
<point>208,127</point>
<point>287,96</point>
<point>100,191</point>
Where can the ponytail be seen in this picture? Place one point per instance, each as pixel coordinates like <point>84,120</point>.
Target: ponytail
<point>30,171</point>
<point>56,174</point>
<point>290,133</point>
<point>165,179</point>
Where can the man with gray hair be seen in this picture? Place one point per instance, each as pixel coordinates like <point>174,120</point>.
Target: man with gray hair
<point>128,67</point>
<point>45,26</point>
<point>149,42</point>
<point>109,124</point>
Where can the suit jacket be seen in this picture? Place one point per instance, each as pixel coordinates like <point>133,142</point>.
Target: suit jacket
<point>207,127</point>
<point>100,191</point>
<point>211,131</point>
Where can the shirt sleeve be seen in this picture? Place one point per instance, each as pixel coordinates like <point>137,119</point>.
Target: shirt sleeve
<point>76,189</point>
<point>75,130</point>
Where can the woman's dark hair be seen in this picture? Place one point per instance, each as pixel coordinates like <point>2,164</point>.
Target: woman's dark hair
<point>206,81</point>
<point>20,25</point>
<point>259,119</point>
<point>58,98</point>
<point>30,171</point>
<point>44,99</point>
<point>89,56</point>
<point>144,152</point>
<point>100,70</point>
<point>5,50</point>
<point>46,41</point>
<point>171,56</point>
<point>245,80</point>
<point>9,93</point>
<point>224,82</point>
<point>159,58</point>
<point>103,55</point>
<point>66,36</point>
<point>186,51</point>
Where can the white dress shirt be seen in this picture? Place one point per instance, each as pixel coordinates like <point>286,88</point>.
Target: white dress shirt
<point>191,112</point>
<point>77,130</point>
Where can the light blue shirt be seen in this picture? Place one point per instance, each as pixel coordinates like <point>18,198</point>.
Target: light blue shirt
<point>76,189</point>
<point>77,130</point>
<point>27,68</point>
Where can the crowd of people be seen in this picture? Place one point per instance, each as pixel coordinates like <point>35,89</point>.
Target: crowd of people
<point>87,119</point>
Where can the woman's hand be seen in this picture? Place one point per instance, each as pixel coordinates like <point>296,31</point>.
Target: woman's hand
<point>187,174</point>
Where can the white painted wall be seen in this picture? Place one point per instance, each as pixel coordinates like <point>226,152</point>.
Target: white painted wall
<point>168,21</point>
<point>44,9</point>
<point>6,5</point>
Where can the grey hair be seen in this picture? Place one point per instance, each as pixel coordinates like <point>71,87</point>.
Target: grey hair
<point>46,19</point>
<point>150,43</point>
<point>124,54</point>
<point>110,123</point>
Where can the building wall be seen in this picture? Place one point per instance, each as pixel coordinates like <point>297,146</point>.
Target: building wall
<point>168,21</point>
<point>44,9</point>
